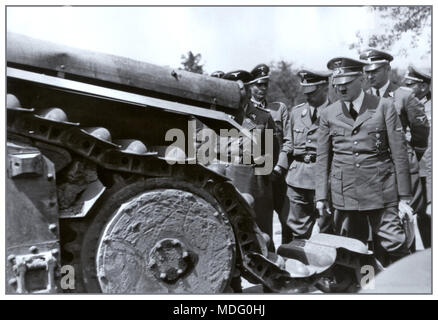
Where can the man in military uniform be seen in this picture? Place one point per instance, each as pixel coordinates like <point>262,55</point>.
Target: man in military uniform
<point>243,175</point>
<point>410,111</point>
<point>409,108</point>
<point>362,155</point>
<point>259,88</point>
<point>300,205</point>
<point>420,82</point>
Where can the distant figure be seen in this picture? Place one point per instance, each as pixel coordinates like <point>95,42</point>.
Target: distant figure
<point>243,175</point>
<point>420,83</point>
<point>412,116</point>
<point>299,206</point>
<point>279,111</point>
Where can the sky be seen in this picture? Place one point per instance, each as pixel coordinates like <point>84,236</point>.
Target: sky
<point>228,38</point>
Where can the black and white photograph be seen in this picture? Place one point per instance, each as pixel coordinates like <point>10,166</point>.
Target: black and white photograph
<point>246,150</point>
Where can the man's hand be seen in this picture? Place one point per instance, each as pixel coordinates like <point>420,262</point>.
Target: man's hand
<point>323,208</point>
<point>405,210</point>
<point>429,209</point>
<point>279,170</point>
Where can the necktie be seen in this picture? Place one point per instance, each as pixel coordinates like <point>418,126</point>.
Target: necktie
<point>377,92</point>
<point>353,112</point>
<point>314,116</point>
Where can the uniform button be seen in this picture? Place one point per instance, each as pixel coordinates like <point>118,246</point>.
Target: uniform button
<point>354,132</point>
<point>356,154</point>
<point>355,142</point>
<point>309,140</point>
<point>357,165</point>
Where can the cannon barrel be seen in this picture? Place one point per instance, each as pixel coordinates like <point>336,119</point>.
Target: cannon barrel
<point>123,73</point>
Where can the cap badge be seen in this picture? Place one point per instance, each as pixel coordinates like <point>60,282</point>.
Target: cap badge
<point>338,63</point>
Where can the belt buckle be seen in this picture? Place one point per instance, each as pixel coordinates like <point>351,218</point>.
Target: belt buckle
<point>307,158</point>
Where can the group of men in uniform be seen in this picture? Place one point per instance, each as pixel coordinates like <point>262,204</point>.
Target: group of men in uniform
<point>359,166</point>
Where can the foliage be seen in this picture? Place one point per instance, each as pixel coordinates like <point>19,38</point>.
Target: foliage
<point>400,20</point>
<point>284,84</point>
<point>191,62</point>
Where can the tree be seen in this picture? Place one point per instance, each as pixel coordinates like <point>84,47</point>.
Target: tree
<point>413,21</point>
<point>284,84</point>
<point>191,62</point>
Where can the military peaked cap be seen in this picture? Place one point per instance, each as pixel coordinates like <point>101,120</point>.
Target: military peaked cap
<point>241,75</point>
<point>311,79</point>
<point>260,74</point>
<point>375,59</point>
<point>415,76</point>
<point>345,70</point>
<point>218,74</point>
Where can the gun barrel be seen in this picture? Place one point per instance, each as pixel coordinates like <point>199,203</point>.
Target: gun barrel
<point>123,73</point>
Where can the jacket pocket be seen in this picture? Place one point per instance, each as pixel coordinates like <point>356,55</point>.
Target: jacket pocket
<point>298,132</point>
<point>337,132</point>
<point>337,191</point>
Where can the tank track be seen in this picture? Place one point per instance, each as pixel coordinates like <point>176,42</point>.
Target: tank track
<point>251,256</point>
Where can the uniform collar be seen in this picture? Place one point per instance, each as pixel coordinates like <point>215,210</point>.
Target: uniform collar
<point>382,90</point>
<point>312,108</point>
<point>424,100</point>
<point>357,103</point>
<point>260,104</point>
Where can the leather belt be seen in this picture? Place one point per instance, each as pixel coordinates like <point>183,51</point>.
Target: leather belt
<point>307,158</point>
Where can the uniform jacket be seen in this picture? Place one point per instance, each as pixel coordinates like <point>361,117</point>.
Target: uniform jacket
<point>412,115</point>
<point>282,133</point>
<point>304,141</point>
<point>243,176</point>
<point>366,159</point>
<point>426,160</point>
<point>253,118</point>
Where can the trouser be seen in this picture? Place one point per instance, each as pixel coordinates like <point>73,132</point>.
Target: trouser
<point>279,189</point>
<point>260,188</point>
<point>423,220</point>
<point>419,201</point>
<point>301,214</point>
<point>389,236</point>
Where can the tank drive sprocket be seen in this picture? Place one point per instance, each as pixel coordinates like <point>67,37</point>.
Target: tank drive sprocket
<point>158,235</point>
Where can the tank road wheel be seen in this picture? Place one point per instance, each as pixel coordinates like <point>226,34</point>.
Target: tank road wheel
<point>158,235</point>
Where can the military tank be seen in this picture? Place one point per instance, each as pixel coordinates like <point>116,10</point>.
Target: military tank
<point>96,202</point>
<point>90,188</point>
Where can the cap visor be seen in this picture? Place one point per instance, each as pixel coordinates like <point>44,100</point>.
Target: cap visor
<point>261,80</point>
<point>373,66</point>
<point>309,89</point>
<point>344,80</point>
